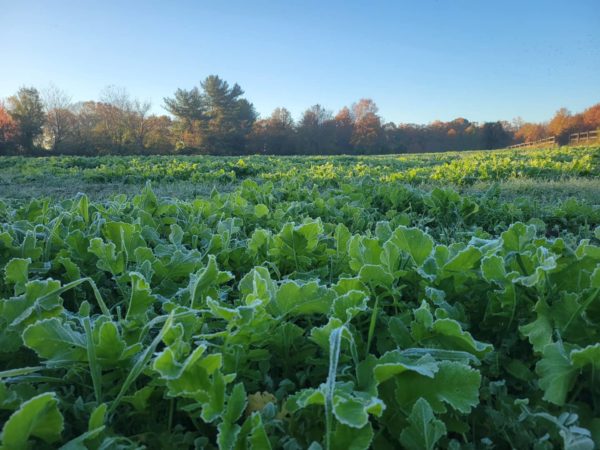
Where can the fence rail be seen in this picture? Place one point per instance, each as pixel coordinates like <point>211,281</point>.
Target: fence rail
<point>548,142</point>
<point>584,137</point>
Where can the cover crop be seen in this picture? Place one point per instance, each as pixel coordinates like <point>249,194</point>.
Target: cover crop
<point>459,168</point>
<point>296,318</point>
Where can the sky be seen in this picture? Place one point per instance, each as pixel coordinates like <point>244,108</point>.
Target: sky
<point>419,60</point>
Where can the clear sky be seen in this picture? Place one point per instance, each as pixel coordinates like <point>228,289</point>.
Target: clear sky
<point>420,60</point>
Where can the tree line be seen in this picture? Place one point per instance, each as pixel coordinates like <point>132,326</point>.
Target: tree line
<point>215,118</point>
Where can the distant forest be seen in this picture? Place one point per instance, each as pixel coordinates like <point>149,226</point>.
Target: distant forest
<point>215,118</point>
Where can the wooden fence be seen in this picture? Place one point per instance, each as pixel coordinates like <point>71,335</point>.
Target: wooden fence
<point>584,137</point>
<point>548,142</point>
<point>581,138</point>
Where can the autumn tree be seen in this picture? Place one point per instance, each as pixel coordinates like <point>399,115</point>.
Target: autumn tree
<point>113,110</point>
<point>138,122</point>
<point>529,132</point>
<point>158,135</point>
<point>9,131</point>
<point>560,122</point>
<point>344,128</point>
<point>276,134</point>
<point>87,136</point>
<point>316,131</point>
<point>563,124</point>
<point>591,117</point>
<point>27,110</point>
<point>367,133</point>
<point>117,122</point>
<point>60,119</point>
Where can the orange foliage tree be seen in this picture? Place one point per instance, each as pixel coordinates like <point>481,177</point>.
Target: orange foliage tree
<point>591,117</point>
<point>9,131</point>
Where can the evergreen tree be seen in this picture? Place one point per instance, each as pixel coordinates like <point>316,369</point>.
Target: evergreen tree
<point>27,109</point>
<point>215,119</point>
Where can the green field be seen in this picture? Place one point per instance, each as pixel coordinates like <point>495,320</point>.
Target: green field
<point>445,300</point>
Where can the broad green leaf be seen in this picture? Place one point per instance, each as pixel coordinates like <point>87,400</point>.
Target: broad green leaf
<point>261,210</point>
<point>55,341</point>
<point>109,344</point>
<point>257,285</point>
<point>294,244</point>
<point>352,408</point>
<point>38,417</point>
<point>349,305</point>
<point>304,398</point>
<point>176,234</point>
<point>375,275</point>
<point>140,399</point>
<point>126,236</point>
<point>40,300</point>
<point>464,260</point>
<point>294,299</point>
<point>589,355</point>
<point>197,377</point>
<point>350,412</point>
<point>258,438</point>
<point>493,270</point>
<point>454,384</point>
<point>595,278</point>
<point>141,298</point>
<point>108,258</point>
<point>16,271</point>
<point>214,407</point>
<point>204,283</point>
<point>97,417</point>
<point>556,372</point>
<point>227,436</point>
<point>451,335</point>
<point>424,430</point>
<point>516,238</point>
<point>413,241</point>
<point>364,251</point>
<point>394,363</point>
<point>321,335</point>
<point>236,403</point>
<point>539,332</point>
<point>347,438</point>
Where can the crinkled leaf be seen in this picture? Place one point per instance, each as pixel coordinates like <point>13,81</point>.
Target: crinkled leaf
<point>295,299</point>
<point>413,241</point>
<point>394,363</point>
<point>451,335</point>
<point>16,272</point>
<point>141,298</point>
<point>55,341</point>
<point>556,372</point>
<point>589,355</point>
<point>37,417</point>
<point>454,384</point>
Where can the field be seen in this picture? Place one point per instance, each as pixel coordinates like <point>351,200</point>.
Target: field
<point>445,300</point>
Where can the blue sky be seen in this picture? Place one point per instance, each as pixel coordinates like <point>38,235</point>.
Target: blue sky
<point>420,60</point>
